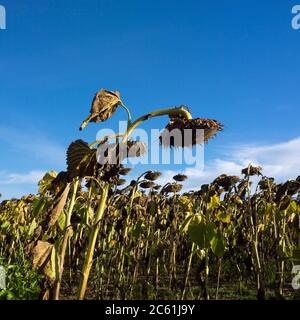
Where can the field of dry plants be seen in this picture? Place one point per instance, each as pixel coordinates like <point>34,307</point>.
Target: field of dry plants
<point>90,233</point>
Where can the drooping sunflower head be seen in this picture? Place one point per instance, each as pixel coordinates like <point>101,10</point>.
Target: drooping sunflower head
<point>147,185</point>
<point>226,181</point>
<point>252,171</point>
<point>182,132</point>
<point>152,175</point>
<point>172,188</point>
<point>180,177</point>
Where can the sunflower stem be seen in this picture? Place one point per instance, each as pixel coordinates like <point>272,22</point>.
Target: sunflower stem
<point>92,242</point>
<point>158,113</point>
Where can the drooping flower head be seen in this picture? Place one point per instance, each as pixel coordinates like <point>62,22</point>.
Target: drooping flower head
<point>152,175</point>
<point>182,132</point>
<point>180,177</point>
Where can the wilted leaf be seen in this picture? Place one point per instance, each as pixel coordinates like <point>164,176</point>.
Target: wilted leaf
<point>80,159</point>
<point>41,253</point>
<point>59,207</point>
<point>103,106</point>
<point>45,183</point>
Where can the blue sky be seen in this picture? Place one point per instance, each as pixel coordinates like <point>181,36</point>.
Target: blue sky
<point>230,60</point>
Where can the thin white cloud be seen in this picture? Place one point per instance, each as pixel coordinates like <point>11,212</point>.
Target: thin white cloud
<point>280,161</point>
<point>16,185</point>
<point>32,177</point>
<point>33,145</point>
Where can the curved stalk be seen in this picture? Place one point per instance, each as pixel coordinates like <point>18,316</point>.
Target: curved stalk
<point>171,111</point>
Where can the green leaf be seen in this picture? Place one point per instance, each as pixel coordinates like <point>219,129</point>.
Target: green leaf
<point>201,233</point>
<point>32,227</point>
<point>138,229</point>
<point>218,244</point>
<point>61,222</point>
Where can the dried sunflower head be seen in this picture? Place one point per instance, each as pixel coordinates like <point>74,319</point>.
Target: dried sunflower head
<point>180,177</point>
<point>204,189</point>
<point>124,171</point>
<point>147,184</point>
<point>265,183</point>
<point>226,181</point>
<point>172,188</point>
<point>290,188</point>
<point>252,170</point>
<point>157,187</point>
<point>104,104</point>
<point>152,175</point>
<point>120,182</point>
<point>182,132</point>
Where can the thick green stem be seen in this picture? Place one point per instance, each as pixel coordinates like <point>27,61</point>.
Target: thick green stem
<point>92,242</point>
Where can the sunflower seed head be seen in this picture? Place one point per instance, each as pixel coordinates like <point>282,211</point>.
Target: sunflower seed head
<point>172,188</point>
<point>180,177</point>
<point>226,181</point>
<point>290,188</point>
<point>266,183</point>
<point>181,132</point>
<point>147,184</point>
<point>124,171</point>
<point>121,182</point>
<point>153,175</point>
<point>252,170</point>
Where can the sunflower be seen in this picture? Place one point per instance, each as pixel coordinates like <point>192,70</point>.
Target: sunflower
<point>180,177</point>
<point>152,175</point>
<point>182,132</point>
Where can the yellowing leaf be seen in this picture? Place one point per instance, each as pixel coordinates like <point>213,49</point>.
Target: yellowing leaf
<point>224,216</point>
<point>214,202</point>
